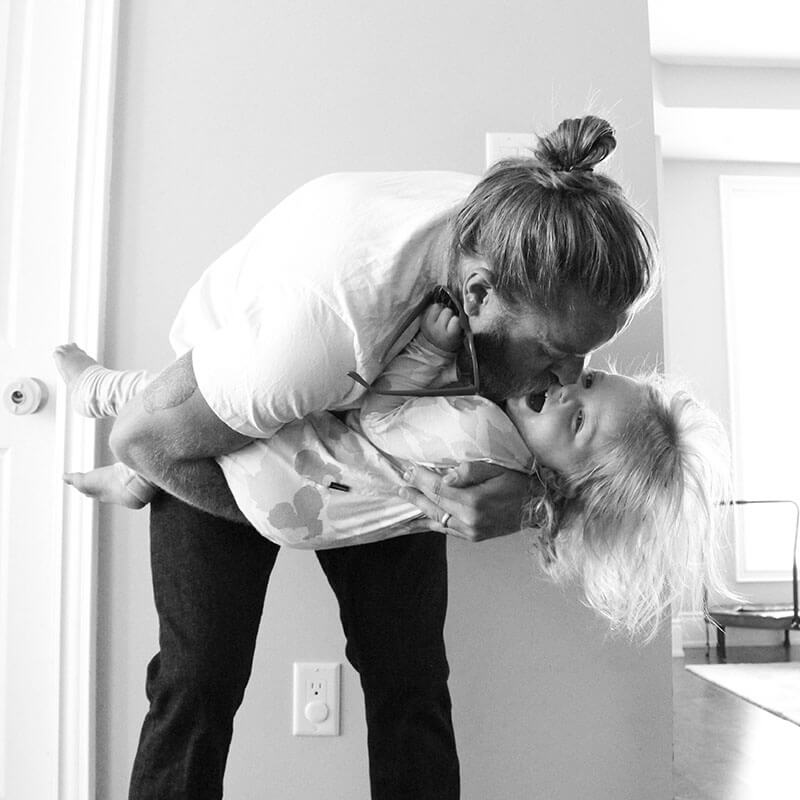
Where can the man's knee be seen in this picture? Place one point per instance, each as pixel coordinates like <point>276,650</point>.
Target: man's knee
<point>412,665</point>
<point>199,682</point>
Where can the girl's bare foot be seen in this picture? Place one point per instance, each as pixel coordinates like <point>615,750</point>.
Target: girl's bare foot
<point>108,485</point>
<point>71,362</point>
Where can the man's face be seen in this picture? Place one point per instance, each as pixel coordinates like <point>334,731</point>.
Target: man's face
<point>525,350</point>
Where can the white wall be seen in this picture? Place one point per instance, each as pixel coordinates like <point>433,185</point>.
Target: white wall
<point>691,241</point>
<point>694,312</point>
<point>223,109</point>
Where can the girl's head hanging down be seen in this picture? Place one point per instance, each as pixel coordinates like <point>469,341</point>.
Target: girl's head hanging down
<point>635,474</point>
<point>631,504</point>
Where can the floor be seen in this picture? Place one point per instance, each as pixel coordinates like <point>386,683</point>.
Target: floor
<point>726,748</point>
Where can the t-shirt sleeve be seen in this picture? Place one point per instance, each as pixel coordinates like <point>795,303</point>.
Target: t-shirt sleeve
<point>280,359</point>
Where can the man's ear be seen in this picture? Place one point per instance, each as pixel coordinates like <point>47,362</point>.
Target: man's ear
<point>477,290</point>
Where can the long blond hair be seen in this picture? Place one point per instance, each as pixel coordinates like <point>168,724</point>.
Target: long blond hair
<point>642,525</point>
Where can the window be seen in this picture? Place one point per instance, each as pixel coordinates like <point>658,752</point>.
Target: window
<point>761,255</point>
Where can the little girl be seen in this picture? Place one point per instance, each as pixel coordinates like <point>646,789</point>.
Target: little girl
<point>626,476</point>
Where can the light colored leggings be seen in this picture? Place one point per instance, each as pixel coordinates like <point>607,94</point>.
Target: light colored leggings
<point>100,392</point>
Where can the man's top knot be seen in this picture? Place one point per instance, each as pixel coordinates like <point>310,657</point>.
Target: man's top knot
<point>548,221</point>
<point>576,145</point>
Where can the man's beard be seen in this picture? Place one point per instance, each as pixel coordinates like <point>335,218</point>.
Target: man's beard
<point>497,379</point>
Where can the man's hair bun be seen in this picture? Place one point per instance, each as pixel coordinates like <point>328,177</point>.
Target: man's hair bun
<point>576,144</point>
<point>548,222</point>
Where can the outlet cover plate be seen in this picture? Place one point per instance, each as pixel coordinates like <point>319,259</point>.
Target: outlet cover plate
<point>315,710</point>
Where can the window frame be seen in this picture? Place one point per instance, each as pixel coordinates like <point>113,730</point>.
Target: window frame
<point>729,186</point>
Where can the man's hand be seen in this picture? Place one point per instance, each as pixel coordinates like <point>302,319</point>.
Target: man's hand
<point>441,327</point>
<point>483,501</point>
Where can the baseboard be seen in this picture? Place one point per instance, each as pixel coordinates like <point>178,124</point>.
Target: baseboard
<point>692,626</point>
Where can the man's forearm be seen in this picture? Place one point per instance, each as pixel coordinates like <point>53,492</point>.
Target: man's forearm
<point>200,484</point>
<point>169,435</point>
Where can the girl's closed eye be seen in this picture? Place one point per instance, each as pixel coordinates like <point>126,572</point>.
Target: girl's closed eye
<point>579,417</point>
<point>588,380</point>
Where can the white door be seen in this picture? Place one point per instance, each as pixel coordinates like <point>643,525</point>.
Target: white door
<point>54,115</point>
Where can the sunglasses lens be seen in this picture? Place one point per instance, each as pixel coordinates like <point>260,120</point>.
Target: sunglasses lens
<point>444,298</point>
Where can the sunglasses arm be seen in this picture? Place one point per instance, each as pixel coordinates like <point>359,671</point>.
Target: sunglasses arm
<point>438,294</point>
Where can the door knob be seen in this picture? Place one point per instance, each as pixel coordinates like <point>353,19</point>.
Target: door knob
<point>24,396</point>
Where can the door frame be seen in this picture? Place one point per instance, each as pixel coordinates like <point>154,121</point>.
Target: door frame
<point>63,65</point>
<point>83,318</point>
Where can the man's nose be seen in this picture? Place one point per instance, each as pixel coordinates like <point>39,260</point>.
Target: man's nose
<point>568,370</point>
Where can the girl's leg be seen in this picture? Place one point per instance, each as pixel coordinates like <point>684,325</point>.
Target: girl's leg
<point>99,392</point>
<point>116,484</point>
<point>94,390</point>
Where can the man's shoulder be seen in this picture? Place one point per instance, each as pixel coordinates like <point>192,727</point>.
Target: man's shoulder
<point>397,185</point>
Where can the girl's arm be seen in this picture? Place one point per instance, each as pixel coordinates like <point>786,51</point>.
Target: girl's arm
<point>469,433</point>
<point>417,367</point>
<point>438,431</point>
<point>420,363</point>
<point>404,426</point>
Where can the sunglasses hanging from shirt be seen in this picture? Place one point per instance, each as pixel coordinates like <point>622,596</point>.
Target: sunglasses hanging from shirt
<point>439,294</point>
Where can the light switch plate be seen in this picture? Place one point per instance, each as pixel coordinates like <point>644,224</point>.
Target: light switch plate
<point>508,145</point>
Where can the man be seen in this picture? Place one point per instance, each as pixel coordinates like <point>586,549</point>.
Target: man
<point>268,335</point>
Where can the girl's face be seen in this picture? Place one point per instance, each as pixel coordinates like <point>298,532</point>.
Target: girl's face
<point>575,420</point>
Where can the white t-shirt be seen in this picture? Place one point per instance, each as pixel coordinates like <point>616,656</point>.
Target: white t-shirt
<point>315,290</point>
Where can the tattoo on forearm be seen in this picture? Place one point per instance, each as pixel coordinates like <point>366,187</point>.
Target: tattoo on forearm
<point>201,484</point>
<point>175,385</point>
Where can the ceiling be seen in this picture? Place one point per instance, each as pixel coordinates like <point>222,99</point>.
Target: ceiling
<point>726,32</point>
<point>727,79</point>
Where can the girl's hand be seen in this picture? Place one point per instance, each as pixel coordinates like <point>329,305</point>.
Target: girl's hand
<point>440,326</point>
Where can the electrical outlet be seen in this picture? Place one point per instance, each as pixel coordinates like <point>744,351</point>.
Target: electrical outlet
<point>315,711</point>
<point>508,145</point>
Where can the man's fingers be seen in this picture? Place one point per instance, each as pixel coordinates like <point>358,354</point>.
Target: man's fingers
<point>486,501</point>
<point>430,483</point>
<point>443,498</point>
<point>429,486</point>
<point>433,512</point>
<point>429,494</point>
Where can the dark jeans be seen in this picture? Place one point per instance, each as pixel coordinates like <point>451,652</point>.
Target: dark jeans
<point>209,579</point>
